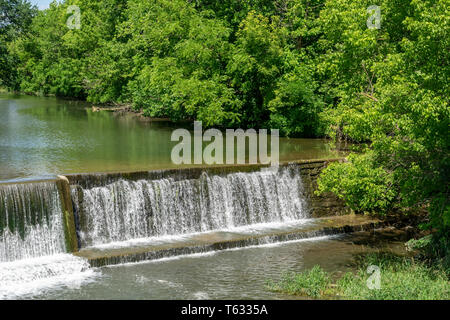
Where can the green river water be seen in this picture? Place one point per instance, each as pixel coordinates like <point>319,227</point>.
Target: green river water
<point>45,136</point>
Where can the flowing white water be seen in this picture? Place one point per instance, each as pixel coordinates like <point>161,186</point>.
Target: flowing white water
<point>32,243</point>
<point>33,276</point>
<point>31,221</point>
<point>253,229</point>
<point>125,210</point>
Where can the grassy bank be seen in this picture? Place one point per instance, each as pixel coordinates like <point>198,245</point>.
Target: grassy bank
<point>401,278</point>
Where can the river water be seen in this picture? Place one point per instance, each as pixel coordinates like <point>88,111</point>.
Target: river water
<point>46,136</point>
<point>231,274</point>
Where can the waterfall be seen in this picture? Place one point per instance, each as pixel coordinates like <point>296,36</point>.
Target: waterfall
<point>34,276</point>
<point>33,254</point>
<point>125,209</point>
<point>31,221</point>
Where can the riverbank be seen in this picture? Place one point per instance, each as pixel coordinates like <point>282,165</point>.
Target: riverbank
<point>117,108</point>
<point>128,110</point>
<point>379,276</point>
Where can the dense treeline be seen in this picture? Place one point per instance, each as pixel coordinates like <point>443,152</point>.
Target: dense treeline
<point>232,63</point>
<point>307,67</point>
<point>15,19</point>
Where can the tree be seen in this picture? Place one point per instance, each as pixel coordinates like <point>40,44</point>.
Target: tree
<point>401,109</point>
<point>15,19</point>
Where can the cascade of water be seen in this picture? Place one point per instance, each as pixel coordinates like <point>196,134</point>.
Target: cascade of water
<point>124,209</point>
<point>31,276</point>
<point>31,221</point>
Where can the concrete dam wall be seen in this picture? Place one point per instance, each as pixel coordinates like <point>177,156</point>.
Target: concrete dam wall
<point>78,211</point>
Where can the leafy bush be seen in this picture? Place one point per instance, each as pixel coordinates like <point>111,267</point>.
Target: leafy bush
<point>362,185</point>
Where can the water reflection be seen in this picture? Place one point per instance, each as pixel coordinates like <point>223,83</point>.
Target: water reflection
<point>43,136</point>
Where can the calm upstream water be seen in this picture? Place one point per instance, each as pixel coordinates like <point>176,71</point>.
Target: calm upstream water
<point>47,136</point>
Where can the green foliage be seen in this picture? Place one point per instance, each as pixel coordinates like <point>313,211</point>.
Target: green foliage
<point>66,62</point>
<point>419,244</point>
<point>232,64</point>
<point>434,248</point>
<point>391,90</point>
<point>311,283</point>
<point>15,19</point>
<point>401,278</point>
<point>364,186</point>
<point>184,77</point>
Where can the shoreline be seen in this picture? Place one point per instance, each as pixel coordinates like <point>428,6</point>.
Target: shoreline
<point>123,109</point>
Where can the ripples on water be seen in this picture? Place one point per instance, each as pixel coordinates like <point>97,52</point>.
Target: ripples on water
<point>231,274</point>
